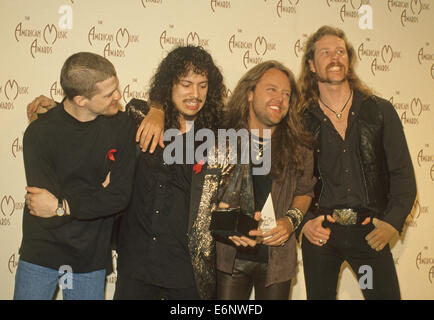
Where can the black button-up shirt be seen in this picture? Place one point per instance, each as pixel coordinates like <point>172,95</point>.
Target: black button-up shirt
<point>340,167</point>
<point>339,162</point>
<point>154,245</point>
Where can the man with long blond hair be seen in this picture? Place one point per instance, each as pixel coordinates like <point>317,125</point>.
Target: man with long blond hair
<point>366,185</point>
<point>266,98</point>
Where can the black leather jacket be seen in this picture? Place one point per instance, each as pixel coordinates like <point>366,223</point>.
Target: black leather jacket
<point>374,162</point>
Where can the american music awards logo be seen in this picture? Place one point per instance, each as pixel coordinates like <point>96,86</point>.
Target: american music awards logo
<point>412,110</point>
<point>425,56</point>
<point>410,10</point>
<point>56,91</point>
<point>13,263</point>
<point>382,57</point>
<point>286,7</point>
<point>8,206</point>
<point>133,91</point>
<point>300,46</point>
<point>43,39</point>
<point>425,261</point>
<point>10,92</point>
<point>169,39</point>
<point>16,147</point>
<point>417,212</point>
<point>425,159</point>
<point>348,9</point>
<point>255,49</point>
<point>115,41</point>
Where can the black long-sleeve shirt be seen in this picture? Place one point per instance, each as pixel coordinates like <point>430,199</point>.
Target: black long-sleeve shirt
<point>153,243</point>
<point>340,169</point>
<point>70,159</point>
<point>339,162</point>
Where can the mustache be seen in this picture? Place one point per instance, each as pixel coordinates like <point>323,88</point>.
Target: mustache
<point>196,100</point>
<point>334,64</point>
<point>331,65</point>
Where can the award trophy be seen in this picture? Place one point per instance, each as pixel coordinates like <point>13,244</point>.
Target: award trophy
<point>268,217</point>
<point>236,190</point>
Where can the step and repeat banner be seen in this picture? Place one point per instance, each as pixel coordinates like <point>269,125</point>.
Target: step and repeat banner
<point>394,41</point>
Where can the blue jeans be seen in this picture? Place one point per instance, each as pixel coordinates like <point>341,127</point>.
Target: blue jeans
<point>34,282</point>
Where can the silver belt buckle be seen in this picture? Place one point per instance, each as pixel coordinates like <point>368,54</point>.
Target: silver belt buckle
<point>345,217</point>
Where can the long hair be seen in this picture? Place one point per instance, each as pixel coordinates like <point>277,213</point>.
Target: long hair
<point>178,63</point>
<point>307,80</point>
<point>289,136</point>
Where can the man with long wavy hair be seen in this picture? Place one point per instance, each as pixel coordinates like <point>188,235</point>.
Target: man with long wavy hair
<point>266,98</point>
<point>366,185</point>
<point>165,249</point>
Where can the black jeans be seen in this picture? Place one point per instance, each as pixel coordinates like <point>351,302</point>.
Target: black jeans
<point>128,288</point>
<point>375,270</point>
<point>246,275</point>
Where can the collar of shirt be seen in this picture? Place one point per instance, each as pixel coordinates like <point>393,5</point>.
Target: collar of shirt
<point>354,109</point>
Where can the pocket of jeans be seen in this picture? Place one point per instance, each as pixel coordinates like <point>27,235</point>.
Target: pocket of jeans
<point>365,230</point>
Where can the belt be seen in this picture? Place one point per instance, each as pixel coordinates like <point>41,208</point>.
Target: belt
<point>347,216</point>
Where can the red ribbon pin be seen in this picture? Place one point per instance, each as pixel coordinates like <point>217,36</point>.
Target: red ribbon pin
<point>110,154</point>
<point>198,166</point>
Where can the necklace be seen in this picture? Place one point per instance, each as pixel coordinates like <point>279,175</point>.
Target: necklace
<point>260,152</point>
<point>259,143</point>
<point>338,114</point>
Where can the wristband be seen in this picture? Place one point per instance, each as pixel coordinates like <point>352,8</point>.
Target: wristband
<point>295,216</point>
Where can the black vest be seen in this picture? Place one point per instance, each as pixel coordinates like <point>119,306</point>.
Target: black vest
<point>371,153</point>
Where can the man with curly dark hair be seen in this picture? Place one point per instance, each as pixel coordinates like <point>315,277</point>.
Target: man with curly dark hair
<point>164,249</point>
<point>170,75</point>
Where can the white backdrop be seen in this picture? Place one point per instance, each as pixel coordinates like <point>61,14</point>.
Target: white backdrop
<point>395,50</point>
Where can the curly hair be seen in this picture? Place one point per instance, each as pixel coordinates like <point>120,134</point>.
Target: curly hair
<point>178,63</point>
<point>289,136</point>
<point>307,80</point>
